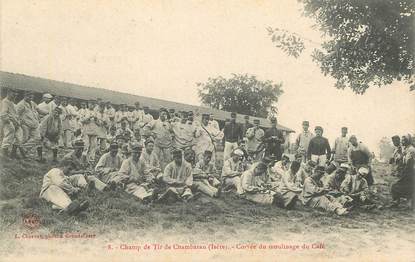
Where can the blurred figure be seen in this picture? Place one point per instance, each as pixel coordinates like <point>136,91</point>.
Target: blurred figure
<point>273,140</point>
<point>360,156</point>
<point>232,171</point>
<point>255,137</point>
<point>303,141</point>
<point>233,133</point>
<point>341,147</point>
<point>314,194</point>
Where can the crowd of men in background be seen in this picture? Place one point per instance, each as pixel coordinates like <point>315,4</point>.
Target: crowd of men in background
<point>175,157</point>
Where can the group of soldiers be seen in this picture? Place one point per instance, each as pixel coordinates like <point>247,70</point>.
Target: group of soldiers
<point>174,157</point>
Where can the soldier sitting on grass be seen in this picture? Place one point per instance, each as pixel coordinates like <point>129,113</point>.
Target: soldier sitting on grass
<point>58,188</point>
<point>205,176</point>
<point>178,179</point>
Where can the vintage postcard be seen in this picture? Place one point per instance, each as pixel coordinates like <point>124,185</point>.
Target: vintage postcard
<point>251,130</point>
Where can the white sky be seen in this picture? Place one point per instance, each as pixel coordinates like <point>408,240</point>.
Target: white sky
<point>163,48</point>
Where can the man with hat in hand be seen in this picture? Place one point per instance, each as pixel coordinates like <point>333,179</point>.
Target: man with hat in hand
<point>319,148</point>
<point>233,133</point>
<point>255,135</point>
<point>109,164</point>
<point>178,179</point>
<point>273,140</point>
<point>314,194</point>
<point>303,140</point>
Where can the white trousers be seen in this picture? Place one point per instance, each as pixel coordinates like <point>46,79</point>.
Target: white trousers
<point>205,187</point>
<point>320,160</point>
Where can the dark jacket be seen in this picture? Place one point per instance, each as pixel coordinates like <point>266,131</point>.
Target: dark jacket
<point>319,146</point>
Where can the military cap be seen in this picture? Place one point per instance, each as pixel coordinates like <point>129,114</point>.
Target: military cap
<point>136,147</point>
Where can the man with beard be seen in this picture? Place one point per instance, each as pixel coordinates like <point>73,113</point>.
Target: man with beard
<point>178,178</point>
<point>133,175</point>
<point>109,164</point>
<point>150,159</point>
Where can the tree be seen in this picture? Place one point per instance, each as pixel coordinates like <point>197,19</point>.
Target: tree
<point>368,42</point>
<point>243,94</point>
<point>385,149</point>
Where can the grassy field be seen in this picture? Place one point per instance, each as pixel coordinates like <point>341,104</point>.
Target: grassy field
<point>117,217</point>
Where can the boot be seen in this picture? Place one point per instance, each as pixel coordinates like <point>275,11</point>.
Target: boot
<point>22,152</point>
<point>73,208</point>
<point>13,153</point>
<point>55,155</point>
<point>40,154</point>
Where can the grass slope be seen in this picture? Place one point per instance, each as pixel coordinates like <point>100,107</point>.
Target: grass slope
<point>118,215</point>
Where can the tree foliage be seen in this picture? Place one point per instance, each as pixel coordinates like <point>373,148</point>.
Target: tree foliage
<point>242,93</point>
<point>369,42</point>
<point>288,42</point>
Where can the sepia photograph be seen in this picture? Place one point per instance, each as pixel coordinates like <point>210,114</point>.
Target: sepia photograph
<point>206,130</point>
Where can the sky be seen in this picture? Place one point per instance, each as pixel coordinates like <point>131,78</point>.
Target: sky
<point>162,49</point>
